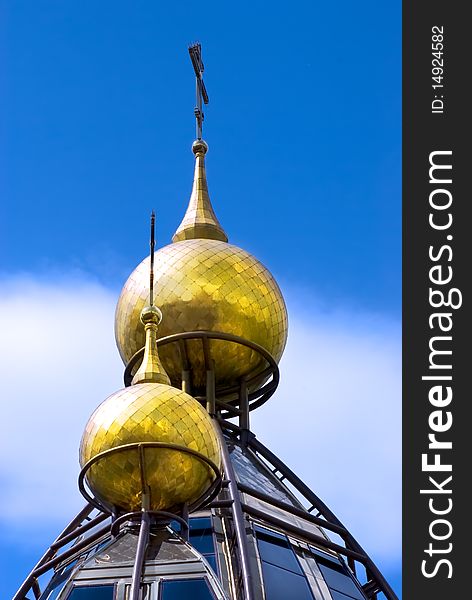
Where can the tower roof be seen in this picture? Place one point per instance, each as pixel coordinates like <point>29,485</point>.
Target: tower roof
<point>198,505</point>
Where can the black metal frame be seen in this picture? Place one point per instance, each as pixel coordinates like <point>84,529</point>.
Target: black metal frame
<point>81,524</point>
<point>229,400</point>
<point>352,550</point>
<point>145,516</point>
<point>222,403</point>
<point>50,559</point>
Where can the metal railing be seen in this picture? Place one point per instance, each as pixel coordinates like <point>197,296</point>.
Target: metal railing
<point>222,403</point>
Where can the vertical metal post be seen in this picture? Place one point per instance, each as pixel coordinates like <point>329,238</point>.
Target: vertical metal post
<point>185,531</point>
<point>186,387</point>
<point>210,390</point>
<point>244,407</point>
<point>186,376</point>
<point>238,517</point>
<point>143,540</point>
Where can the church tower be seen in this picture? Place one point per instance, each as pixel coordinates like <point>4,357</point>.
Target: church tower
<point>183,501</point>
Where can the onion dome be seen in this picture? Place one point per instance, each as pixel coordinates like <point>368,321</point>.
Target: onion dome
<point>149,439</point>
<point>204,283</point>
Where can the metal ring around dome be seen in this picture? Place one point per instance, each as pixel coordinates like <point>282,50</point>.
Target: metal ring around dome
<point>256,397</point>
<point>115,526</point>
<point>205,498</point>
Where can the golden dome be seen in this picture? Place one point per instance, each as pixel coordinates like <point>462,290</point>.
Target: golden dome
<point>208,285</point>
<point>204,283</point>
<point>149,412</point>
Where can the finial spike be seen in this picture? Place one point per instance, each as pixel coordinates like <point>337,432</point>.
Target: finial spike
<point>151,369</point>
<point>151,271</point>
<point>200,220</point>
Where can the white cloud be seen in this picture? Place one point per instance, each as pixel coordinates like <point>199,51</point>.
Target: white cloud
<point>335,418</point>
<point>58,363</point>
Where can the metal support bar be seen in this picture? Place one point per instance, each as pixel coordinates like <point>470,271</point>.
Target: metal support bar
<point>206,352</point>
<point>298,512</point>
<point>186,385</point>
<point>156,514</point>
<point>232,410</point>
<point>186,375</point>
<point>352,565</point>
<point>298,531</point>
<point>238,517</point>
<point>68,553</point>
<point>227,425</point>
<point>350,541</point>
<point>207,496</point>
<point>76,521</point>
<point>262,390</point>
<point>36,589</point>
<point>244,406</point>
<point>79,531</point>
<point>185,530</point>
<point>184,355</point>
<point>370,588</point>
<point>221,504</point>
<point>143,541</point>
<point>210,391</point>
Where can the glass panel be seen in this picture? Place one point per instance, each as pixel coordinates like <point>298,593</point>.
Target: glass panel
<point>339,596</point>
<point>325,557</point>
<point>275,549</point>
<point>280,584</point>
<point>92,592</point>
<point>145,590</point>
<point>337,578</point>
<point>57,583</point>
<point>253,474</point>
<point>201,535</point>
<point>196,589</point>
<point>212,560</point>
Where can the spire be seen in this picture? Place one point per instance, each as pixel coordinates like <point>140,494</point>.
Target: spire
<point>151,369</point>
<point>200,220</point>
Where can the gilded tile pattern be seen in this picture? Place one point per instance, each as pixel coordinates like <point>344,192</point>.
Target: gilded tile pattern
<point>199,220</point>
<point>151,369</point>
<point>205,284</point>
<point>149,412</point>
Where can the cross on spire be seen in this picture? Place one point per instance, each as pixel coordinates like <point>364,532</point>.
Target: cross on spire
<point>195,51</point>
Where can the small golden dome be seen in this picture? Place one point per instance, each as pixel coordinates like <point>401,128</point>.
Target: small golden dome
<point>205,284</point>
<point>149,412</point>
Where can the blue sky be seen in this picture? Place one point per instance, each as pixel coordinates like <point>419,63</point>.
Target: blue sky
<point>304,132</point>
